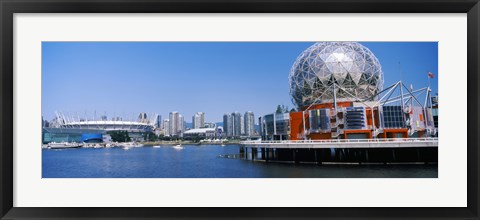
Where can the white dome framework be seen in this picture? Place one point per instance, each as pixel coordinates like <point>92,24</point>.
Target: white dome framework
<point>352,66</point>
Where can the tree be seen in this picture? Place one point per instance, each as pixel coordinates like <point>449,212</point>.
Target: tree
<point>164,138</point>
<point>279,109</point>
<point>282,109</point>
<point>119,136</point>
<point>150,136</point>
<point>196,138</point>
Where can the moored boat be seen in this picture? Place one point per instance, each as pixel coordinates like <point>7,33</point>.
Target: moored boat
<point>63,145</point>
<point>178,147</point>
<point>130,144</point>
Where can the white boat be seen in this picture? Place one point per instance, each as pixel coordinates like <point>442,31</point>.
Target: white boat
<point>178,147</point>
<point>63,145</point>
<point>130,144</point>
<point>157,146</point>
<point>223,145</point>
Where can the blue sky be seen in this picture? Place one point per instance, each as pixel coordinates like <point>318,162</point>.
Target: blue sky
<point>125,78</point>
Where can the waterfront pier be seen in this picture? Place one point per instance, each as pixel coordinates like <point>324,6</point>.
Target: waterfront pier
<point>389,150</point>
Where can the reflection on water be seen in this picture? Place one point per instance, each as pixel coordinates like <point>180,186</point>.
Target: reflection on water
<point>203,161</point>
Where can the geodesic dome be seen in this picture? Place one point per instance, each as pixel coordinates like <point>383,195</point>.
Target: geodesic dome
<point>350,65</point>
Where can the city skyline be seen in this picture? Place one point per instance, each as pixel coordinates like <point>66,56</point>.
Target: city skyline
<point>215,78</point>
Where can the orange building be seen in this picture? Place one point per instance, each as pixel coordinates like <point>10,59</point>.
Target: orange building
<point>367,123</point>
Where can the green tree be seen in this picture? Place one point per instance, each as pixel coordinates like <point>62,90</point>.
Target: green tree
<point>279,109</point>
<point>196,139</point>
<point>150,136</point>
<point>119,136</point>
<point>282,109</point>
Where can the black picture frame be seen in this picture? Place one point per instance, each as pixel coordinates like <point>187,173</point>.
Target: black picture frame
<point>9,7</point>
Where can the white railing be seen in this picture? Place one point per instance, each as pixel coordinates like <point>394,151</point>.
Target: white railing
<point>379,140</point>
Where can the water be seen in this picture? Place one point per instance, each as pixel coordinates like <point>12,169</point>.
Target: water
<point>202,161</point>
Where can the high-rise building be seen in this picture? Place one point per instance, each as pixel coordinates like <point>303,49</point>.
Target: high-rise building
<point>158,123</point>
<point>181,125</point>
<point>237,124</point>
<point>233,124</point>
<point>249,123</point>
<point>166,127</point>
<point>198,120</point>
<point>225,123</point>
<point>228,125</point>
<point>195,119</point>
<point>242,125</point>
<point>174,123</point>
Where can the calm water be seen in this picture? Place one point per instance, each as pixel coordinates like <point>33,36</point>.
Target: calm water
<point>201,161</point>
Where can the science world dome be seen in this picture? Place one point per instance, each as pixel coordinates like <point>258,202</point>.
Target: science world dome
<point>352,66</point>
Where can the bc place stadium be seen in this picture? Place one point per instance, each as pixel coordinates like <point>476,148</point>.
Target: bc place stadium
<point>346,113</point>
<point>67,128</point>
